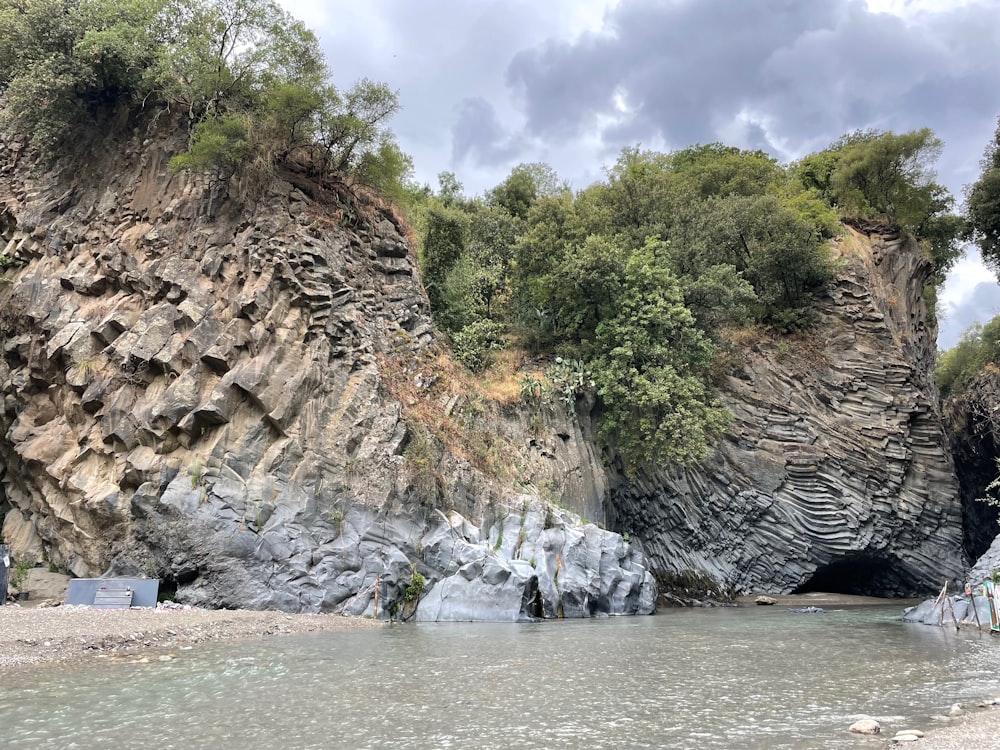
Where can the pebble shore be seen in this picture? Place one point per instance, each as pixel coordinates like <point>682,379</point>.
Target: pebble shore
<point>974,731</point>
<point>38,635</point>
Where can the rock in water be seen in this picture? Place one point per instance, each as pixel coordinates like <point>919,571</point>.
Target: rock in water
<point>865,726</point>
<point>765,601</point>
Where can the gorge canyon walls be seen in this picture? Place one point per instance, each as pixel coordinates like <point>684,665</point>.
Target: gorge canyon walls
<point>250,402</point>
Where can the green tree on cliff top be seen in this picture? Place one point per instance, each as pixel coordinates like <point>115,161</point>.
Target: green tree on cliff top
<point>983,205</point>
<point>251,80</point>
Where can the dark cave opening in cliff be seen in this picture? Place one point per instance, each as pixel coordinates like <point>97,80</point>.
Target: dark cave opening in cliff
<point>863,575</point>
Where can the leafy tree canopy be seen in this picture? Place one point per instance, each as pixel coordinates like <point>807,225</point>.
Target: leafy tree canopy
<point>651,367</point>
<point>889,177</point>
<point>978,347</point>
<point>251,79</point>
<point>523,186</point>
<point>983,205</point>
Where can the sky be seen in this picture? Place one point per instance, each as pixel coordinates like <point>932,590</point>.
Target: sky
<point>487,84</point>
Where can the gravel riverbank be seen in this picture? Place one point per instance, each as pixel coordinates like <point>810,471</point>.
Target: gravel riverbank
<point>976,730</point>
<point>35,635</point>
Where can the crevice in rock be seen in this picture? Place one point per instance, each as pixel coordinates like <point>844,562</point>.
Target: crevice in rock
<point>865,575</point>
<point>5,505</point>
<point>531,604</point>
<point>8,224</point>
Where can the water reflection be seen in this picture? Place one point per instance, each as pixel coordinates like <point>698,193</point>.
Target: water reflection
<point>751,678</point>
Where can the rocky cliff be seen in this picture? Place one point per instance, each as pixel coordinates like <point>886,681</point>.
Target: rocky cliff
<point>973,426</point>
<point>836,473</point>
<point>250,403</point>
<point>244,401</point>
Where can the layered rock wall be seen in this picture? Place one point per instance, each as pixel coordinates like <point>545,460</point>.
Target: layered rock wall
<point>249,403</point>
<point>216,394</point>
<point>835,473</point>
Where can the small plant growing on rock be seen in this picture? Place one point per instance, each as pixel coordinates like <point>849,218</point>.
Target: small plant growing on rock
<point>197,472</point>
<point>566,380</point>
<point>19,574</point>
<point>6,261</point>
<point>86,367</point>
<point>416,587</point>
<point>336,516</point>
<point>422,457</point>
<point>530,388</point>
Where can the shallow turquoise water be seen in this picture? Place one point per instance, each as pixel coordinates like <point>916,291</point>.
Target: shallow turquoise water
<point>724,678</point>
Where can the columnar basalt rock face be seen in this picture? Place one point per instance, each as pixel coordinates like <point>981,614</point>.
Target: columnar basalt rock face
<point>223,397</point>
<point>196,390</point>
<point>152,343</point>
<point>835,473</point>
<point>973,425</point>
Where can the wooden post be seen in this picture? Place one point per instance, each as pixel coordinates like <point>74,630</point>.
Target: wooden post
<point>975,611</point>
<point>951,607</point>
<point>937,601</point>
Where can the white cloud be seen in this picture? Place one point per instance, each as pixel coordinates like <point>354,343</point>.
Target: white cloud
<point>909,8</point>
<point>967,273</point>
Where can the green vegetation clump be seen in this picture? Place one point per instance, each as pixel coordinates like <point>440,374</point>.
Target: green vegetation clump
<point>888,177</point>
<point>632,285</point>
<point>250,79</point>
<point>983,205</point>
<point>422,457</point>
<point>474,343</point>
<point>978,348</point>
<point>415,588</point>
<point>19,573</point>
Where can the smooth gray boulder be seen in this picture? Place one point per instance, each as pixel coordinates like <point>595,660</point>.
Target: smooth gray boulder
<point>537,561</point>
<point>966,613</point>
<point>490,589</point>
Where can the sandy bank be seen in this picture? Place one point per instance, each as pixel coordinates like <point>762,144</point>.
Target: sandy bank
<point>51,634</point>
<point>823,599</point>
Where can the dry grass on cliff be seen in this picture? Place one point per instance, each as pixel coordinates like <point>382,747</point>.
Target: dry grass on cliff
<point>440,396</point>
<point>501,381</point>
<point>800,351</point>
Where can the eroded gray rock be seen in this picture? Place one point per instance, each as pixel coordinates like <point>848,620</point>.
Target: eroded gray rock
<point>539,561</point>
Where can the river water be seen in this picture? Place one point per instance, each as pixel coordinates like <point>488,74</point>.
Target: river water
<point>758,677</point>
